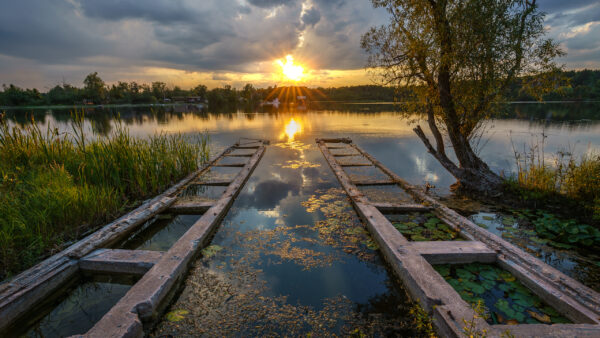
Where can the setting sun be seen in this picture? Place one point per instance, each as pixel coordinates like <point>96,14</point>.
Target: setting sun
<point>290,70</point>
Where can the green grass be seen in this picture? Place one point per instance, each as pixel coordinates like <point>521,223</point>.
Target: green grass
<point>54,187</point>
<point>571,182</point>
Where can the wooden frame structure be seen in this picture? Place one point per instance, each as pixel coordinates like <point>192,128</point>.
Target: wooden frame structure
<point>412,261</point>
<point>160,272</point>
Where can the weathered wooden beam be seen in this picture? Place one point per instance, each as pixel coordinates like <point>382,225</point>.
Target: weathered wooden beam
<point>117,261</point>
<point>190,207</point>
<point>410,262</point>
<point>454,252</point>
<point>152,290</point>
<point>373,182</point>
<point>554,280</point>
<point>247,147</point>
<point>222,183</point>
<point>238,155</point>
<point>230,165</point>
<point>388,208</point>
<point>22,293</point>
<point>355,164</point>
<point>345,155</point>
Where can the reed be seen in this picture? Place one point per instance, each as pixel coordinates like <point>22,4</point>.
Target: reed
<point>55,187</point>
<point>560,175</point>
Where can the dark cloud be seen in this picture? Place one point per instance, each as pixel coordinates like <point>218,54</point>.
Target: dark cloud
<point>311,17</point>
<point>52,39</point>
<point>268,194</point>
<point>271,3</point>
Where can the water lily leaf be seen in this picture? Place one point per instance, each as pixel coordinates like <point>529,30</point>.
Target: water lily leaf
<point>508,221</point>
<point>464,274</point>
<point>481,225</point>
<point>539,240</point>
<point>443,270</point>
<point>488,218</point>
<point>211,250</point>
<point>177,315</point>
<point>560,245</point>
<point>507,276</point>
<point>504,287</point>
<point>418,238</point>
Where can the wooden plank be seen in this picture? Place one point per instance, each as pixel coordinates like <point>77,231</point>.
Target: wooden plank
<point>190,207</point>
<point>410,262</point>
<point>355,164</point>
<point>222,183</point>
<point>588,299</point>
<point>247,147</point>
<point>152,290</point>
<point>345,155</point>
<point>373,182</point>
<point>392,207</point>
<point>238,155</point>
<point>116,261</point>
<point>455,252</point>
<point>20,294</point>
<point>230,165</point>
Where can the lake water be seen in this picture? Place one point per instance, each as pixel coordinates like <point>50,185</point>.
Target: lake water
<point>291,256</point>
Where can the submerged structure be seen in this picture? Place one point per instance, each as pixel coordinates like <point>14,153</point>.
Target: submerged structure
<point>434,269</point>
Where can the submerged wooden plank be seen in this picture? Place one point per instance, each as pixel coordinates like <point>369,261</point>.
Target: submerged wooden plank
<point>238,155</point>
<point>190,207</point>
<point>230,165</point>
<point>585,296</point>
<point>117,261</point>
<point>145,297</point>
<point>373,182</point>
<point>410,262</point>
<point>456,252</point>
<point>21,293</point>
<point>222,183</point>
<point>388,208</point>
<point>355,164</point>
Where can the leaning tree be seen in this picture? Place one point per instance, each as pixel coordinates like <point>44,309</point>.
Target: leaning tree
<point>459,57</point>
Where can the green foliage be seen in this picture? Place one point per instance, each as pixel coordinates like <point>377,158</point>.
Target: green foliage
<point>498,296</point>
<point>566,233</point>
<point>56,186</point>
<point>422,321</point>
<point>416,227</point>
<point>566,177</point>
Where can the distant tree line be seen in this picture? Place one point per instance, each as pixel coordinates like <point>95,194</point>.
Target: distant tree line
<point>577,86</point>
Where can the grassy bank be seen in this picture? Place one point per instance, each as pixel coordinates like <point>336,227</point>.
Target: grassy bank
<point>56,186</point>
<point>565,185</point>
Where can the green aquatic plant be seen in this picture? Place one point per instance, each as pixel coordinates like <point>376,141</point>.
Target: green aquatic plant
<point>427,227</point>
<point>504,298</point>
<point>55,186</point>
<point>565,234</point>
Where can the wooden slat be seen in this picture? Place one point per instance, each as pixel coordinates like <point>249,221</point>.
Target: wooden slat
<point>239,155</point>
<point>393,207</point>
<point>151,291</point>
<point>247,147</point>
<point>222,183</point>
<point>373,182</point>
<point>190,207</point>
<point>454,252</point>
<point>230,165</point>
<point>117,261</point>
<point>355,164</point>
<point>345,155</point>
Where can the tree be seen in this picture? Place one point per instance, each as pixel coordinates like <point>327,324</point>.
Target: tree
<point>94,87</point>
<point>459,57</point>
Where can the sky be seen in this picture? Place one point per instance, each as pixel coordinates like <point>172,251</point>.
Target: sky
<point>217,42</point>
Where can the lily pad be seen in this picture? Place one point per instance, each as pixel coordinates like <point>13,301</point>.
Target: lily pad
<point>211,250</point>
<point>176,316</point>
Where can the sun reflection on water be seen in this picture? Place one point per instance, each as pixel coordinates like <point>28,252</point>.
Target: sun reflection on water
<point>291,129</point>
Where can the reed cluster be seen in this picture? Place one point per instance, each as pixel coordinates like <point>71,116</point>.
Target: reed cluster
<point>562,174</point>
<point>55,187</point>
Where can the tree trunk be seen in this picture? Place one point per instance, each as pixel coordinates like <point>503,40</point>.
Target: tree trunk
<point>473,174</point>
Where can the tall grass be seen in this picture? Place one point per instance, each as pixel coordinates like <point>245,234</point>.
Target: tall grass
<point>562,175</point>
<point>56,186</point>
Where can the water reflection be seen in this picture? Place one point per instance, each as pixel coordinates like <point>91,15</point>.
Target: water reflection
<point>291,129</point>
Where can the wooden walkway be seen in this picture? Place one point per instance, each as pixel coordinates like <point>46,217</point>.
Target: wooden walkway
<point>412,261</point>
<point>160,272</point>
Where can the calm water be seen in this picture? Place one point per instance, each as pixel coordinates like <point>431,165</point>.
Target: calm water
<point>291,256</point>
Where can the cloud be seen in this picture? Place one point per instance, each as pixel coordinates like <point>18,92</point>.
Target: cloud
<point>311,16</point>
<point>48,40</point>
<point>271,3</point>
